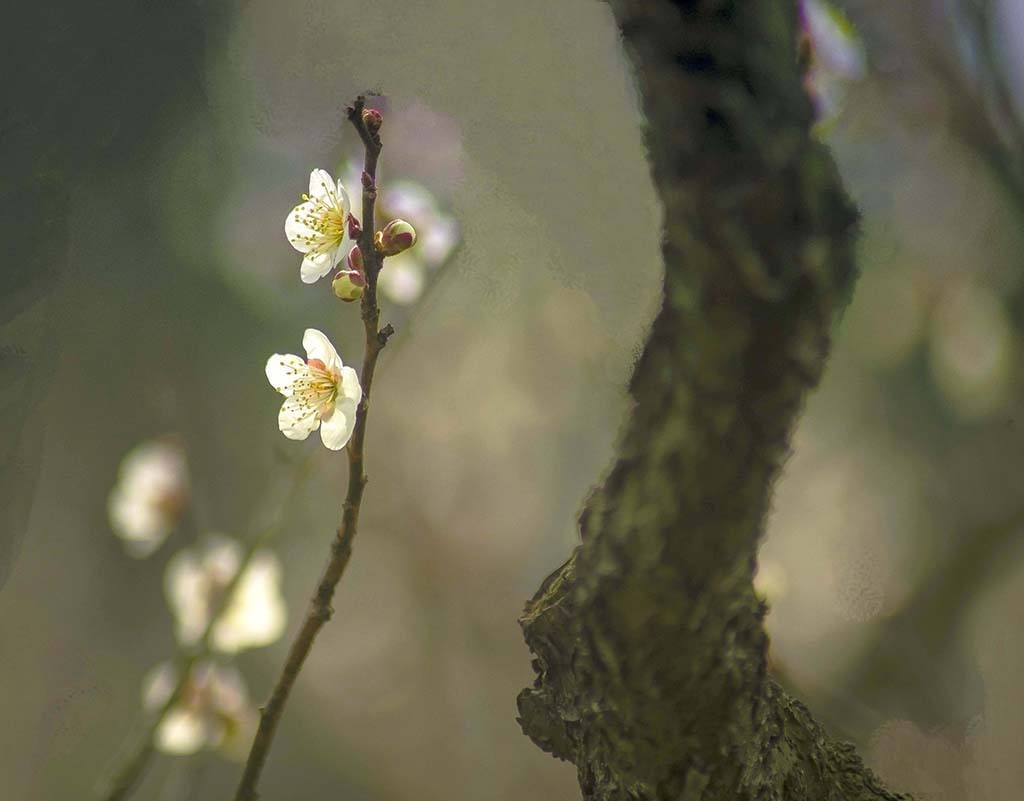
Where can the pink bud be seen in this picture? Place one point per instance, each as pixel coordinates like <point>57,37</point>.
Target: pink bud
<point>367,180</point>
<point>372,119</point>
<point>349,285</point>
<point>354,228</point>
<point>354,260</point>
<point>397,236</point>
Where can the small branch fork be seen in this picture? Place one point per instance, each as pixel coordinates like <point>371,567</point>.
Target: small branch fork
<point>320,610</point>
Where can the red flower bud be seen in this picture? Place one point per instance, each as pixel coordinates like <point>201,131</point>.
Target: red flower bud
<point>397,236</point>
<point>354,228</point>
<point>354,260</point>
<point>372,119</point>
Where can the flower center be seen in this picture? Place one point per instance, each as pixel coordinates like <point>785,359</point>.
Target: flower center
<point>319,388</point>
<point>326,218</point>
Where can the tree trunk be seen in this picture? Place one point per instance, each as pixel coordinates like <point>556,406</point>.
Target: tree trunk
<point>649,642</point>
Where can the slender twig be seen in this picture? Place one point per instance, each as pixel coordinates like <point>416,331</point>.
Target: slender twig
<point>320,610</point>
<point>140,750</point>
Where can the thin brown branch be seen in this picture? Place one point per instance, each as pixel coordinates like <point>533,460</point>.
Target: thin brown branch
<point>320,610</point>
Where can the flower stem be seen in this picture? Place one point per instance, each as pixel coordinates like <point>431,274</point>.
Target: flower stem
<point>138,754</point>
<point>320,610</point>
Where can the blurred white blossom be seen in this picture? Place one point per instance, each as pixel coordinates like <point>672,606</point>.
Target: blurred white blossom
<point>195,581</point>
<point>149,496</point>
<point>405,275</point>
<point>836,56</point>
<point>317,226</point>
<point>320,392</point>
<point>403,279</point>
<point>213,711</point>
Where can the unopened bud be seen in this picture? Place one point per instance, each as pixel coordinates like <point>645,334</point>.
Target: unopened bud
<point>349,285</point>
<point>372,119</point>
<point>354,260</point>
<point>354,228</point>
<point>397,236</point>
<point>367,180</point>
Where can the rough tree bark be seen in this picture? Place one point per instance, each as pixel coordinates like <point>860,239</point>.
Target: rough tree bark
<point>649,643</point>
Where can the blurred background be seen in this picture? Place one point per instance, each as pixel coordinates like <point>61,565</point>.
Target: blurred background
<point>149,279</point>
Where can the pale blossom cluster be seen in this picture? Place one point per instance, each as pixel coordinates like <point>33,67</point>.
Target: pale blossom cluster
<point>213,710</point>
<point>150,495</point>
<point>195,582</point>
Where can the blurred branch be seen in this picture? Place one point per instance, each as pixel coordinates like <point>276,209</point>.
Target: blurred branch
<point>649,644</point>
<point>982,116</point>
<point>923,637</point>
<point>141,747</point>
<point>320,610</point>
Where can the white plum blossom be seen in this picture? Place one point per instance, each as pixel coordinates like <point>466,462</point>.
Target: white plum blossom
<point>195,581</point>
<point>319,392</point>
<point>213,711</point>
<point>149,496</point>
<point>316,227</point>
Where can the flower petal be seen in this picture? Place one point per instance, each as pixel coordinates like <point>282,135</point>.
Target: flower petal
<point>317,264</point>
<point>300,235</point>
<point>256,615</point>
<point>186,589</point>
<point>297,418</point>
<point>318,346</point>
<point>322,187</point>
<point>283,369</point>
<point>337,426</point>
<point>344,204</point>
<point>182,731</point>
<point>349,387</point>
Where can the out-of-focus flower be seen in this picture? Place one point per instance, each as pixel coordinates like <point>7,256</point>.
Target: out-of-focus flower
<point>195,581</point>
<point>317,226</point>
<point>972,349</point>
<point>213,711</point>
<point>405,275</point>
<point>149,496</point>
<point>403,280</point>
<point>319,392</point>
<point>836,56</point>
